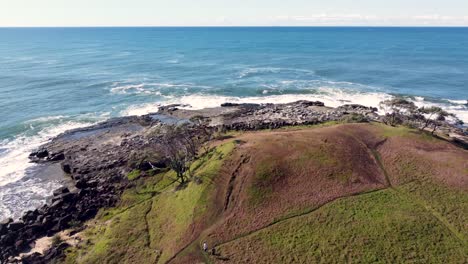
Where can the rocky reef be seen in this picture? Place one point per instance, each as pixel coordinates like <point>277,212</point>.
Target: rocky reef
<point>99,158</point>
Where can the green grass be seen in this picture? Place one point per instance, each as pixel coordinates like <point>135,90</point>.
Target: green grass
<point>173,212</point>
<point>153,218</point>
<point>403,131</point>
<point>133,175</point>
<point>266,173</point>
<point>397,131</point>
<point>378,227</point>
<point>418,222</point>
<point>450,204</point>
<point>122,240</point>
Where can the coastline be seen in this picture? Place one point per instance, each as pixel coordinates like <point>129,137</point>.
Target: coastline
<point>99,158</point>
<point>16,165</point>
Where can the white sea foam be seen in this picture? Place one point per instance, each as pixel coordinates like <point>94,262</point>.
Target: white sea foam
<point>263,70</point>
<point>331,96</point>
<point>46,119</point>
<point>462,102</point>
<point>14,159</point>
<point>28,195</point>
<point>141,109</point>
<point>150,88</point>
<point>457,107</point>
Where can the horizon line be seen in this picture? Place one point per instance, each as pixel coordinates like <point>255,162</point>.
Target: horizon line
<point>245,26</point>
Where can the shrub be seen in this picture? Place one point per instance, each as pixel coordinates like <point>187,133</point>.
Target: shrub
<point>355,118</point>
<point>56,240</point>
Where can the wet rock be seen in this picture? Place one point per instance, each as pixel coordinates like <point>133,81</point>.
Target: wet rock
<point>66,168</point>
<point>229,104</point>
<point>61,191</point>
<point>88,214</point>
<point>15,226</point>
<point>81,184</point>
<point>145,166</point>
<point>4,225</point>
<point>20,245</point>
<point>64,197</point>
<point>41,153</point>
<point>56,157</point>
<point>310,103</point>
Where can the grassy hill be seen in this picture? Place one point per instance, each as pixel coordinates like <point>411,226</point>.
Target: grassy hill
<point>362,193</point>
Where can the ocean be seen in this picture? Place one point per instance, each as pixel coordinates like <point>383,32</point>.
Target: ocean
<point>55,79</point>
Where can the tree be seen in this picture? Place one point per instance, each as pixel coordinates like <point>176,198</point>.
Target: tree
<point>395,108</point>
<point>180,144</point>
<point>437,117</point>
<point>431,111</point>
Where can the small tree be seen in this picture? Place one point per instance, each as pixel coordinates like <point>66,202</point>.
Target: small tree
<point>432,111</point>
<point>395,108</point>
<point>437,117</point>
<point>180,145</point>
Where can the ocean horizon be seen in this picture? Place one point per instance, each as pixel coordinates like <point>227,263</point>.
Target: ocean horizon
<point>53,79</point>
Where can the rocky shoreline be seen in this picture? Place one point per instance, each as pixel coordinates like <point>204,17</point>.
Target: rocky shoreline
<point>99,158</point>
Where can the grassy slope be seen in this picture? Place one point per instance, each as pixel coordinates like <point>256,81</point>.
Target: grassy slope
<point>417,220</point>
<point>153,219</point>
<point>381,226</point>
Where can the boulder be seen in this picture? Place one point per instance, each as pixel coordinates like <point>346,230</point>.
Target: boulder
<point>61,191</point>
<point>229,104</point>
<point>56,157</point>
<point>145,166</point>
<point>41,153</point>
<point>15,226</point>
<point>66,168</point>
<point>88,214</point>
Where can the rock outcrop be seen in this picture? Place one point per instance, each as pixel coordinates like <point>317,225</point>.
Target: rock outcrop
<point>99,158</point>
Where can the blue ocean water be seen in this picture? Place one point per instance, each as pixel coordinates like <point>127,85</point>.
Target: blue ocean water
<point>53,79</point>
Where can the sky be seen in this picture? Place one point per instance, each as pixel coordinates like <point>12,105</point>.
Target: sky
<point>17,13</point>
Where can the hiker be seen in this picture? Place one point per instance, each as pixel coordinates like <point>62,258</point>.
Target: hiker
<point>205,246</point>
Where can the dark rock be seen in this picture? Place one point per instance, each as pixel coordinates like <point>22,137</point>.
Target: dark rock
<point>42,153</point>
<point>20,245</point>
<point>48,221</point>
<point>145,166</point>
<point>64,222</point>
<point>229,104</point>
<point>6,221</point>
<point>34,230</point>
<point>56,205</point>
<point>65,197</point>
<point>61,190</point>
<point>310,103</point>
<point>66,168</point>
<point>88,214</point>
<point>81,184</point>
<point>15,226</point>
<point>56,157</point>
<point>7,239</point>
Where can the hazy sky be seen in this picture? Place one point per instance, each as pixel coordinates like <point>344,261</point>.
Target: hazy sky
<point>232,12</point>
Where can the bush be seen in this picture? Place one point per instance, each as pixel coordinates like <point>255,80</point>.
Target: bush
<point>56,240</point>
<point>355,118</point>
